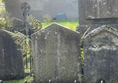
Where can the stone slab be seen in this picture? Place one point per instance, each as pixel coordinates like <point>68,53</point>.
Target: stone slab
<point>100,55</point>
<point>86,9</point>
<point>97,9</point>
<point>17,22</point>
<point>56,55</point>
<point>90,8</point>
<point>11,60</point>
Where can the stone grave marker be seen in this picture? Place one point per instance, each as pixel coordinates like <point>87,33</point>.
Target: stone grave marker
<point>94,13</point>
<point>11,60</point>
<point>17,24</point>
<point>101,55</point>
<point>56,55</point>
<point>60,16</point>
<point>101,9</point>
<point>25,7</point>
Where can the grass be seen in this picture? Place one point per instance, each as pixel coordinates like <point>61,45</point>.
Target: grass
<point>67,23</point>
<point>28,78</point>
<point>74,22</point>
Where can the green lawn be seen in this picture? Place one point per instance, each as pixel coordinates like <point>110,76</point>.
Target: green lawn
<point>71,23</point>
<point>28,78</point>
<point>67,23</point>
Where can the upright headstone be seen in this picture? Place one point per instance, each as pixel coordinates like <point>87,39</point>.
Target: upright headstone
<point>94,13</point>
<point>11,60</point>
<point>101,55</point>
<point>17,24</point>
<point>56,55</point>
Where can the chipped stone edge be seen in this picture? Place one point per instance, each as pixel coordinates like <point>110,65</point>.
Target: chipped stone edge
<point>100,29</point>
<point>10,33</point>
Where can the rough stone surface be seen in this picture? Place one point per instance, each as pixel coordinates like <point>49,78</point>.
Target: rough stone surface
<point>100,55</point>
<point>82,11</point>
<point>101,9</point>
<point>42,7</point>
<point>82,28</point>
<point>89,9</point>
<point>11,61</point>
<point>56,55</point>
<point>17,24</point>
<point>93,13</point>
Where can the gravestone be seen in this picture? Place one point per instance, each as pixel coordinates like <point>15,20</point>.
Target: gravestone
<point>60,16</point>
<point>11,60</point>
<point>56,55</point>
<point>101,55</point>
<point>95,13</point>
<point>25,7</point>
<point>17,24</point>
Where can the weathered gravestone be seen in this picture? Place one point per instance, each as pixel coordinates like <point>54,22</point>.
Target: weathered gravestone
<point>17,24</point>
<point>94,13</point>
<point>11,61</point>
<point>25,7</point>
<point>101,55</point>
<point>56,55</point>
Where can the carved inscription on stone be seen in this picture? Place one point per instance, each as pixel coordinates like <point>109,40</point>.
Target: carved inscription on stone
<point>96,9</point>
